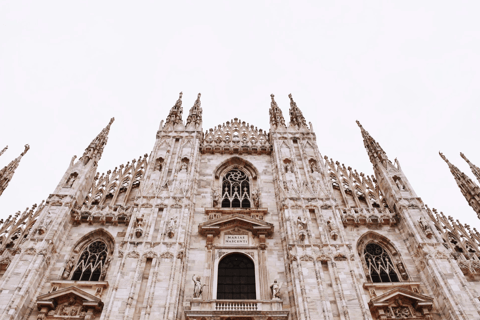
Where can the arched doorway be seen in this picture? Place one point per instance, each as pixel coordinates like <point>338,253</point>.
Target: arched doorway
<point>236,278</point>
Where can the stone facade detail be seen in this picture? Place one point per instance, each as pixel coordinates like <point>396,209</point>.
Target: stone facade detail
<point>312,238</point>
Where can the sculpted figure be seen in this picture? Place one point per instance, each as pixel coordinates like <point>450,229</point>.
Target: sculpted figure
<point>288,168</point>
<point>171,227</point>
<point>198,287</point>
<point>215,197</point>
<point>69,267</point>
<point>275,289</point>
<point>302,223</point>
<point>184,166</point>
<point>256,198</point>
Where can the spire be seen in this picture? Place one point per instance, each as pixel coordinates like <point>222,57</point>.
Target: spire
<point>374,149</point>
<point>469,189</point>
<point>474,168</point>
<point>296,116</point>
<point>3,150</point>
<point>276,116</point>
<point>95,148</point>
<point>175,115</point>
<point>7,172</point>
<point>195,114</point>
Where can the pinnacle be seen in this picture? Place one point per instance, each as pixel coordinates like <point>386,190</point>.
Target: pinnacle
<point>3,150</point>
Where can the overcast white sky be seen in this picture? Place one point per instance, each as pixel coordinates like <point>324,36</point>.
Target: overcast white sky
<point>408,70</point>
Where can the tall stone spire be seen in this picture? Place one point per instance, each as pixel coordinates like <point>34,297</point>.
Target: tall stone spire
<point>469,189</point>
<point>374,149</point>
<point>175,115</point>
<point>296,116</point>
<point>474,168</point>
<point>95,148</point>
<point>7,172</point>
<point>276,117</point>
<point>195,114</point>
<point>3,150</point>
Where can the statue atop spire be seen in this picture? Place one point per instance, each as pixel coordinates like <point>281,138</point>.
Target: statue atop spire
<point>3,150</point>
<point>276,116</point>
<point>296,116</point>
<point>195,114</point>
<point>7,172</point>
<point>469,189</point>
<point>95,148</point>
<point>474,168</point>
<point>175,115</point>
<point>374,149</point>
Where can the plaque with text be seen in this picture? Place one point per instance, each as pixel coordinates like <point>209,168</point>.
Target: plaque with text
<point>234,239</point>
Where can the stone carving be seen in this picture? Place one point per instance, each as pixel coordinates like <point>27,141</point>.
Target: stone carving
<point>332,229</point>
<point>68,267</point>
<point>105,268</point>
<point>256,198</point>
<point>197,287</point>
<point>425,228</point>
<point>301,223</point>
<point>71,180</point>
<point>172,226</point>
<point>275,290</point>
<point>215,197</point>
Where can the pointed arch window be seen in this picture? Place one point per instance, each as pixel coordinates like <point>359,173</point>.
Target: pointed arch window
<point>236,278</point>
<point>92,262</point>
<point>379,264</point>
<point>236,190</point>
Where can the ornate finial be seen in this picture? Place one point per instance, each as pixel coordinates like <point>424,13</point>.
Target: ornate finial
<point>95,148</point>
<point>175,115</point>
<point>276,116</point>
<point>296,116</point>
<point>195,114</point>
<point>3,150</point>
<point>7,172</point>
<point>474,168</point>
<point>443,157</point>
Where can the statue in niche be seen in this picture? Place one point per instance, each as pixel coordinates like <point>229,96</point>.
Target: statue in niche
<point>302,223</point>
<point>184,167</point>
<point>288,167</point>
<point>314,167</point>
<point>71,180</point>
<point>275,290</point>
<point>197,287</point>
<point>215,197</point>
<point>425,227</point>
<point>332,228</point>
<point>172,224</point>
<point>399,183</point>
<point>256,198</point>
<point>68,268</point>
<point>158,164</point>
<point>105,268</point>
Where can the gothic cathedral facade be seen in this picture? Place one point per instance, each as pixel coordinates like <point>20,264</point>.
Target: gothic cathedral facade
<point>236,223</point>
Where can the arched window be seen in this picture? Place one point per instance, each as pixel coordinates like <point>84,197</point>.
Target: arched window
<point>235,190</point>
<point>236,278</point>
<point>92,262</point>
<point>379,264</point>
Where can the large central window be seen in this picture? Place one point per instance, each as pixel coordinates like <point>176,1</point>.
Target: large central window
<point>236,278</point>
<point>379,264</point>
<point>235,190</point>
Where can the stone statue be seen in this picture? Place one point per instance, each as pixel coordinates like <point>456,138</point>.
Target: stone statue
<point>69,267</point>
<point>215,197</point>
<point>301,223</point>
<point>172,224</point>
<point>197,287</point>
<point>256,198</point>
<point>314,167</point>
<point>288,168</point>
<point>184,166</point>
<point>275,289</point>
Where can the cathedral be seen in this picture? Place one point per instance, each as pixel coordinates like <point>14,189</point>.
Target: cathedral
<point>237,223</point>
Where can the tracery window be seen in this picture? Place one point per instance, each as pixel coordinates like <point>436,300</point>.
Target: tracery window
<point>236,190</point>
<point>92,263</point>
<point>379,264</point>
<point>236,278</point>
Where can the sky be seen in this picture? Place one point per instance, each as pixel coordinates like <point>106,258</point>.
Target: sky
<point>407,70</point>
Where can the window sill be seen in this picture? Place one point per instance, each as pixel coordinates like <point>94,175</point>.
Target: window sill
<point>367,285</point>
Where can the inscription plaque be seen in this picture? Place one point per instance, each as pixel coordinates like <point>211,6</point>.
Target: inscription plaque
<point>234,239</point>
